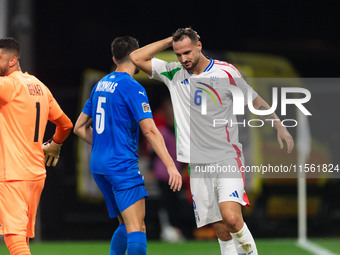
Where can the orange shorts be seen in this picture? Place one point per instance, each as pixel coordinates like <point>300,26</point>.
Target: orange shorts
<point>19,202</point>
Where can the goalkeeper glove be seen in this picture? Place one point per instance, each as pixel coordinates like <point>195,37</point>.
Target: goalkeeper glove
<point>51,150</point>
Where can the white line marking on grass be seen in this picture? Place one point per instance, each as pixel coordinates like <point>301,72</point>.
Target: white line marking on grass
<point>313,248</point>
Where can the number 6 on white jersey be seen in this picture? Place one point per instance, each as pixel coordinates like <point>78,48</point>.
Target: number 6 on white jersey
<point>100,115</point>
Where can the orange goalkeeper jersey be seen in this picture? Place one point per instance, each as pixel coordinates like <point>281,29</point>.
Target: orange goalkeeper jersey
<point>26,105</point>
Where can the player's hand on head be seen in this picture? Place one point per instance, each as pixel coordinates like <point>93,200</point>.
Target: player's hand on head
<point>175,179</point>
<point>284,135</point>
<point>198,36</point>
<point>51,151</point>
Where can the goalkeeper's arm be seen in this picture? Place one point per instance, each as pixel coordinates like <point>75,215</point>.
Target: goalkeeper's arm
<point>52,147</point>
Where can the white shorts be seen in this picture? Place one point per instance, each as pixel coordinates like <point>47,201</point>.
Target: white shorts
<point>212,184</point>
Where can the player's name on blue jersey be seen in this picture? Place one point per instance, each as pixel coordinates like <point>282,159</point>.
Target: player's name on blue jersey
<point>107,86</point>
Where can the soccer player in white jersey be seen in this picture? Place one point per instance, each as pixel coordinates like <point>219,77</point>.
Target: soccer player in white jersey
<point>216,201</point>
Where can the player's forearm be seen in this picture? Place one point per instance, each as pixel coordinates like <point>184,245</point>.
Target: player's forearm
<point>157,143</point>
<point>85,133</point>
<point>63,129</point>
<point>149,51</point>
<point>282,132</point>
<point>260,104</point>
<point>83,128</point>
<point>142,57</point>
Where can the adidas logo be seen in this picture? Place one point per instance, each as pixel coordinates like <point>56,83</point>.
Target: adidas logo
<point>234,194</point>
<point>249,253</point>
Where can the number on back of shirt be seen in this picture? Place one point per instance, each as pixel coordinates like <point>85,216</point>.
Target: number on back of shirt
<point>100,115</point>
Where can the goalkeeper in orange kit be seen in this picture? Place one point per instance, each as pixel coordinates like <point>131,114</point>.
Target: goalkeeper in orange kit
<point>26,105</point>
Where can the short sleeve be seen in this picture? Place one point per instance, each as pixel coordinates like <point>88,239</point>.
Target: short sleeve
<point>7,90</point>
<point>246,90</point>
<point>242,84</point>
<point>88,105</point>
<point>158,66</point>
<point>137,101</point>
<point>164,71</point>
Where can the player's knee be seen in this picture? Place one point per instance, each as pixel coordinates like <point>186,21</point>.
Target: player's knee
<point>135,226</point>
<point>142,227</point>
<point>233,221</point>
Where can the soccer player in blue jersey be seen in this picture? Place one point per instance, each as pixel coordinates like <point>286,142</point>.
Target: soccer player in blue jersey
<point>117,107</point>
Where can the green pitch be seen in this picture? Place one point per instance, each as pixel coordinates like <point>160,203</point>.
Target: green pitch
<point>265,247</point>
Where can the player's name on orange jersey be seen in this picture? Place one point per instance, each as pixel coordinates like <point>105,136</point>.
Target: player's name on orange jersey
<point>35,90</point>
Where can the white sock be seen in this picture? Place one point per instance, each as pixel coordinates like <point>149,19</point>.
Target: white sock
<point>244,242</point>
<point>227,247</point>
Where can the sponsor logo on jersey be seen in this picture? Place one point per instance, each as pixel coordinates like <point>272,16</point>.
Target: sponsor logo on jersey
<point>234,194</point>
<point>140,92</point>
<point>185,82</point>
<point>146,107</point>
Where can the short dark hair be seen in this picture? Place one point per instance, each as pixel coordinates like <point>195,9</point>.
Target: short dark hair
<point>10,44</point>
<point>121,47</point>
<point>185,32</point>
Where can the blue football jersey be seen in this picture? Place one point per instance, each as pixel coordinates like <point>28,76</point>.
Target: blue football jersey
<point>116,105</point>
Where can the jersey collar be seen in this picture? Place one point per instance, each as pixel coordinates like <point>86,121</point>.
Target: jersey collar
<point>210,65</point>
<point>207,69</point>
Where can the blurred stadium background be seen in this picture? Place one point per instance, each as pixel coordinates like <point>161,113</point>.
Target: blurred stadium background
<point>66,44</point>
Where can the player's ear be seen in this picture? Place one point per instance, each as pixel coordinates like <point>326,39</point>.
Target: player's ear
<point>12,61</point>
<point>114,60</point>
<point>199,45</point>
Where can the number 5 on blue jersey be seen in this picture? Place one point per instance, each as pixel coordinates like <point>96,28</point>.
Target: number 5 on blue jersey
<point>100,115</point>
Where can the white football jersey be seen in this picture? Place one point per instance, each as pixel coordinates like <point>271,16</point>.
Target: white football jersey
<point>206,126</point>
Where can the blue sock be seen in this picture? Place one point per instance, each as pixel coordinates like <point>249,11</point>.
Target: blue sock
<point>136,244</point>
<point>119,241</point>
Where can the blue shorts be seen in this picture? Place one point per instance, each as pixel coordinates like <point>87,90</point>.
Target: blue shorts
<point>118,200</point>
